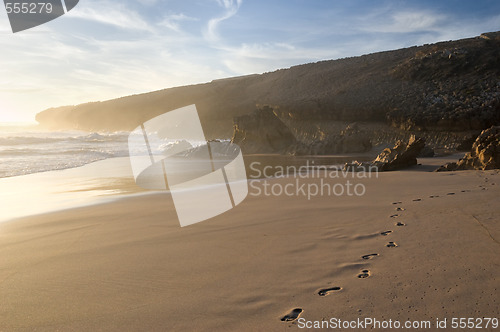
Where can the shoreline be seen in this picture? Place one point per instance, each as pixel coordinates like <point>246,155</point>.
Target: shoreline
<point>97,182</point>
<point>111,179</point>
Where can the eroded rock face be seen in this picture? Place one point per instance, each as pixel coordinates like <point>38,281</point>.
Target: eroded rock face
<point>485,153</point>
<point>350,140</point>
<point>466,144</point>
<point>427,152</point>
<point>262,132</point>
<point>402,155</point>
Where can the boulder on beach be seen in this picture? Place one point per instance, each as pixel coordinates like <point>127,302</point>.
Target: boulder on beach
<point>402,155</point>
<point>485,153</point>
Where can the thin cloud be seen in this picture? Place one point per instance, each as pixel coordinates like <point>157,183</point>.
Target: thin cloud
<point>148,2</point>
<point>264,57</point>
<point>401,22</point>
<point>231,8</point>
<point>111,13</point>
<point>172,21</point>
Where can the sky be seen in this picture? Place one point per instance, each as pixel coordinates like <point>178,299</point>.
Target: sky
<point>108,49</point>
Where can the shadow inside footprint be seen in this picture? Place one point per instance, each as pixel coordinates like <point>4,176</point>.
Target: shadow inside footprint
<point>364,274</point>
<point>369,256</point>
<point>326,291</point>
<point>394,216</point>
<point>292,315</point>
<point>391,245</point>
<point>386,233</point>
<point>400,224</point>
<point>400,209</point>
<point>396,202</point>
<point>417,199</point>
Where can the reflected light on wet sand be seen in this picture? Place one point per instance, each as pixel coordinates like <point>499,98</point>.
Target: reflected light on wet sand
<point>99,182</point>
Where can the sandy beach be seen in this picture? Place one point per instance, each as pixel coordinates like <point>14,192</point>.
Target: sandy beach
<point>128,266</point>
<point>237,165</point>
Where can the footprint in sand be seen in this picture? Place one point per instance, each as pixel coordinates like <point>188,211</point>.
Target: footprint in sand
<point>386,233</point>
<point>417,199</point>
<point>369,256</point>
<point>326,291</point>
<point>400,209</point>
<point>396,202</point>
<point>364,274</point>
<point>450,194</point>
<point>400,224</point>
<point>394,216</point>
<point>391,245</point>
<point>292,315</point>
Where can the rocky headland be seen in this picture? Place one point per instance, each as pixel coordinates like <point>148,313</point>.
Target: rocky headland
<point>445,93</point>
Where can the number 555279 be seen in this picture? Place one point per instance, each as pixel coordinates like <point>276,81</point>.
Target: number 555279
<point>28,8</point>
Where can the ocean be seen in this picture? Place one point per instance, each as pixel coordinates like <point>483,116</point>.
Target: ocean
<point>28,154</point>
<point>27,149</point>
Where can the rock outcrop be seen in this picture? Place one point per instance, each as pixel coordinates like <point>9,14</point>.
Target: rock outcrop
<point>262,132</point>
<point>402,155</point>
<point>349,140</point>
<point>427,152</point>
<point>485,153</point>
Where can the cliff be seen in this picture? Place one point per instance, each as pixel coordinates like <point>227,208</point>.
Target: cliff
<point>448,86</point>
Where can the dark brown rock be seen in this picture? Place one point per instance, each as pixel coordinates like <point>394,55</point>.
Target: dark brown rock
<point>466,144</point>
<point>262,132</point>
<point>427,152</point>
<point>349,140</point>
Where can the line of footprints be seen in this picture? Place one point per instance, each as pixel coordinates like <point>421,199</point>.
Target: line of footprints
<point>295,313</point>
